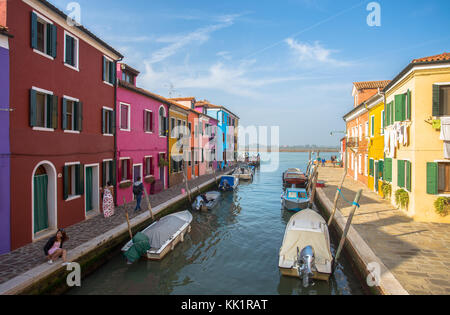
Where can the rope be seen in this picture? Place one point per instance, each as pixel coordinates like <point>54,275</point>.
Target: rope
<point>349,202</point>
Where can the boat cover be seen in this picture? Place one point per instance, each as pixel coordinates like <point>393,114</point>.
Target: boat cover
<point>163,230</point>
<point>306,228</point>
<point>230,180</point>
<point>140,246</point>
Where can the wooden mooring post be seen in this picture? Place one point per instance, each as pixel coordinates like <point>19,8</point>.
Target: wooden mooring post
<point>338,191</point>
<point>149,204</point>
<point>128,218</point>
<point>313,188</point>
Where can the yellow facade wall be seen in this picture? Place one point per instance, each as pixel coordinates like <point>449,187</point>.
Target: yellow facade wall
<point>177,115</point>
<point>424,143</point>
<point>376,142</point>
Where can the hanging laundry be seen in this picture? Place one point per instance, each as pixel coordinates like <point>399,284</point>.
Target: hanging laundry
<point>405,135</point>
<point>445,128</point>
<point>447,149</point>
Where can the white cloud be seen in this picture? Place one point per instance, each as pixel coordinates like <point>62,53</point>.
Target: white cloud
<point>314,53</point>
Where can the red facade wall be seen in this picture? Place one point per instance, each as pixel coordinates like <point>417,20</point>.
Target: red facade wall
<point>359,147</point>
<point>29,147</point>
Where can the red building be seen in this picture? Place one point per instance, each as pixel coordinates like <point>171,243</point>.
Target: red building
<point>62,146</point>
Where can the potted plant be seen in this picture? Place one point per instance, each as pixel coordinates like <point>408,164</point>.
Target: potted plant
<point>402,198</point>
<point>126,184</point>
<point>149,179</point>
<point>386,188</point>
<point>163,163</point>
<point>442,205</point>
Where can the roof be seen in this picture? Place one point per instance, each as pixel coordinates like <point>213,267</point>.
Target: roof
<point>371,84</point>
<point>131,69</point>
<point>182,99</point>
<point>80,27</point>
<point>207,104</point>
<point>441,57</point>
<point>144,92</point>
<point>431,60</point>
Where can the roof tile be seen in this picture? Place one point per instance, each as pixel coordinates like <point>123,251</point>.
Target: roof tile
<point>441,57</point>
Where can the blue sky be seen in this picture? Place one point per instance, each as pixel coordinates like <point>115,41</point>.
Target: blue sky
<point>274,63</point>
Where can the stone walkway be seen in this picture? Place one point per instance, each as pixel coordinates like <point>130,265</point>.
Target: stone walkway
<point>417,254</point>
<point>32,255</point>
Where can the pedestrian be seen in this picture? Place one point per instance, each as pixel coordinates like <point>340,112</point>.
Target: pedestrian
<point>138,189</point>
<point>323,162</point>
<point>108,200</point>
<point>54,247</point>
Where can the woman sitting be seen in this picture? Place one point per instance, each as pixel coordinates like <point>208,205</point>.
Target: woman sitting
<point>54,247</point>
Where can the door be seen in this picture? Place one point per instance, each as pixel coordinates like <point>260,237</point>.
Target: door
<point>137,172</point>
<point>356,167</point>
<point>193,165</point>
<point>40,200</point>
<point>89,189</point>
<point>376,176</point>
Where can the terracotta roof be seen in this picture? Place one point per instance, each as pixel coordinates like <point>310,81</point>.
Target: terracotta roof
<point>441,57</point>
<point>3,28</point>
<point>182,98</point>
<point>205,103</point>
<point>144,92</point>
<point>131,69</point>
<point>371,84</point>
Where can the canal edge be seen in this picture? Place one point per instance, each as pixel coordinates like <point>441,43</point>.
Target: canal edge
<point>43,274</point>
<point>360,252</point>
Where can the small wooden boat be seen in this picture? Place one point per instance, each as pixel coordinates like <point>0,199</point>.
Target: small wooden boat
<point>320,184</point>
<point>243,173</point>
<point>228,183</point>
<point>293,177</point>
<point>164,235</point>
<point>306,252</point>
<point>295,199</point>
<point>208,200</point>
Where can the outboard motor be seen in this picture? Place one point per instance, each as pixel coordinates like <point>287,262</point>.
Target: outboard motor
<point>225,185</point>
<point>306,263</point>
<point>199,203</point>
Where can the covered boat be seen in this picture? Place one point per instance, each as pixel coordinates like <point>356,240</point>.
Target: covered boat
<point>244,173</point>
<point>228,183</point>
<point>208,200</point>
<point>295,199</point>
<point>162,237</point>
<point>293,177</point>
<point>305,251</point>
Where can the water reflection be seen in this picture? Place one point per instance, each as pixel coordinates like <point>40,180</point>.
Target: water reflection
<point>232,249</point>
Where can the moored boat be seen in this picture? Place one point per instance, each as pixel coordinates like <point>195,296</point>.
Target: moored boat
<point>208,200</point>
<point>295,199</point>
<point>244,173</point>
<point>228,183</point>
<point>293,177</point>
<point>305,251</point>
<point>162,237</point>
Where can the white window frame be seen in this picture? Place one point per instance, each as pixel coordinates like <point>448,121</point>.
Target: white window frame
<point>46,105</point>
<point>360,132</point>
<point>372,126</point>
<point>107,170</point>
<point>110,60</point>
<point>359,164</point>
<point>75,100</point>
<point>77,50</point>
<point>72,195</point>
<point>145,165</point>
<point>120,166</point>
<point>159,121</point>
<point>109,134</point>
<point>46,21</point>
<point>145,122</point>
<point>129,117</point>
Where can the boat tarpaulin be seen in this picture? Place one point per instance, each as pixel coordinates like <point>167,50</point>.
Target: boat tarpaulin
<point>140,246</point>
<point>159,233</point>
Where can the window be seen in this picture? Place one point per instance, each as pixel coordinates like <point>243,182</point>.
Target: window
<point>148,166</point>
<point>73,180</point>
<point>127,77</point>
<point>444,178</point>
<point>108,172</point>
<point>109,71</point>
<point>366,162</point>
<point>172,128</point>
<point>360,164</point>
<point>360,133</point>
<point>72,114</point>
<point>382,122</point>
<point>179,134</point>
<point>371,167</point>
<point>404,174</point>
<point>124,117</point>
<point>43,36</point>
<point>367,129</point>
<point>372,126</point>
<point>43,109</point>
<point>108,121</point>
<point>148,121</point>
<point>177,166</point>
<point>71,51</point>
<point>441,100</point>
<point>438,178</point>
<point>125,172</point>
<point>162,122</point>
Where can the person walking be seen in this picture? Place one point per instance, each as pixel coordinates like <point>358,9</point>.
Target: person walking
<point>53,249</point>
<point>138,190</point>
<point>108,200</point>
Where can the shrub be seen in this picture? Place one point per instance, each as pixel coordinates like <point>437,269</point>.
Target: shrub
<point>402,198</point>
<point>386,188</point>
<point>442,206</point>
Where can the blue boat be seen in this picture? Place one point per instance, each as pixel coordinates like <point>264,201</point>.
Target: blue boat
<point>295,199</point>
<point>228,183</point>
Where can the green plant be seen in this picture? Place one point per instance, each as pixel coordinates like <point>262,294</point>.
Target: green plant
<point>149,179</point>
<point>402,198</point>
<point>126,184</point>
<point>442,205</point>
<point>163,163</point>
<point>386,188</point>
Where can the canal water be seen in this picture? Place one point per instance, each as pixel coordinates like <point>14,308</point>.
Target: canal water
<point>232,250</point>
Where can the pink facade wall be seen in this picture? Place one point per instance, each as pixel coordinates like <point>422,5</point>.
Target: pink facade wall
<point>136,143</point>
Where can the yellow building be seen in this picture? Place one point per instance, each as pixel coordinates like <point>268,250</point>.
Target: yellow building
<point>375,134</point>
<point>416,163</point>
<point>178,121</point>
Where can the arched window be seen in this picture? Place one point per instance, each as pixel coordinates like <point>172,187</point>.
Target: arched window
<point>162,121</point>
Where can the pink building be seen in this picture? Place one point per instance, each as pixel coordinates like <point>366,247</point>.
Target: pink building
<point>141,135</point>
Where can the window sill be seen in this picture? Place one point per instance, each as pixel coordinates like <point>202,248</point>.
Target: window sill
<point>149,132</point>
<point>443,195</point>
<point>125,181</point>
<point>72,131</point>
<point>107,83</point>
<point>108,135</point>
<point>127,130</point>
<point>71,67</point>
<point>73,198</point>
<point>43,129</point>
<point>43,54</point>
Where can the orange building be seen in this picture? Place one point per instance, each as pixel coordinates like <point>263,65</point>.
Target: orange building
<point>357,124</point>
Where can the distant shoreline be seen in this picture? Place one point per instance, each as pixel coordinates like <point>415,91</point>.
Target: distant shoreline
<point>298,150</point>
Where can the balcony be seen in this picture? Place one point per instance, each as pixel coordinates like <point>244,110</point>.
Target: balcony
<point>353,142</point>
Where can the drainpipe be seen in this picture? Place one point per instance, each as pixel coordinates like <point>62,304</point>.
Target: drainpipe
<point>115,133</point>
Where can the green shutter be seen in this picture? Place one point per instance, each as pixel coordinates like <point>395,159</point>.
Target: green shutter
<point>66,182</point>
<point>400,173</point>
<point>436,100</point>
<point>104,113</point>
<point>112,122</point>
<point>33,108</point>
<point>64,114</point>
<point>399,107</point>
<point>112,172</point>
<point>54,106</point>
<point>381,169</point>
<point>372,121</point>
<point>408,105</point>
<point>104,69</point>
<point>371,167</point>
<point>49,106</point>
<point>432,178</point>
<point>33,30</point>
<point>104,174</point>
<point>111,72</point>
<point>408,175</point>
<point>79,116</point>
<point>70,51</point>
<point>392,113</point>
<point>388,170</point>
<point>79,179</point>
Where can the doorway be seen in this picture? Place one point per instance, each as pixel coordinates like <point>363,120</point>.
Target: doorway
<point>92,189</point>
